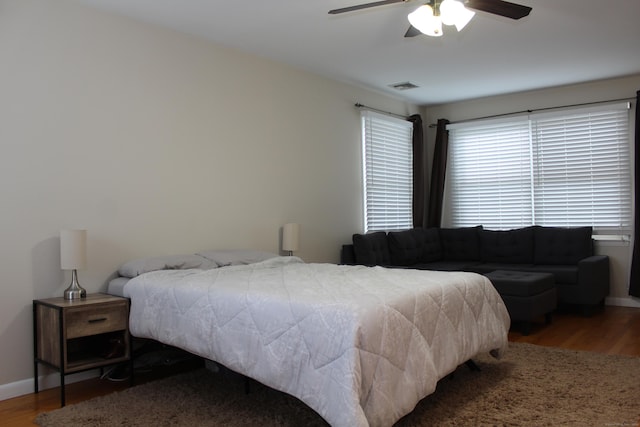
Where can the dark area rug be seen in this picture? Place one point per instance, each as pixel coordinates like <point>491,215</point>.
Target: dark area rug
<point>530,386</point>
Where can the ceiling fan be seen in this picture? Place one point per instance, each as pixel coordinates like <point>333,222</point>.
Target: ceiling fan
<point>428,19</point>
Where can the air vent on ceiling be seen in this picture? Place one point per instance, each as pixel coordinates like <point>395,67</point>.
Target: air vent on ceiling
<point>403,86</point>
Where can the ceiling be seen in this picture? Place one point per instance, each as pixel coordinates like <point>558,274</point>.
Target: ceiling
<point>560,42</point>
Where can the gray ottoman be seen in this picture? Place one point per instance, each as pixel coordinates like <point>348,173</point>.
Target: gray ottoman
<point>527,295</point>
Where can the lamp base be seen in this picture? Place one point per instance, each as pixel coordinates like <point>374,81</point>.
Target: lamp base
<point>74,291</point>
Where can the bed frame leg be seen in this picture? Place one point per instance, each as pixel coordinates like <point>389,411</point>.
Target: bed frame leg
<point>472,365</point>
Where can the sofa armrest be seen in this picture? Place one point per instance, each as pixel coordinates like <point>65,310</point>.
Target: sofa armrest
<point>347,255</point>
<point>593,278</point>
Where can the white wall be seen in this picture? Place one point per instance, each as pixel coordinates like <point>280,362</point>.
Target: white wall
<point>626,87</point>
<point>156,143</point>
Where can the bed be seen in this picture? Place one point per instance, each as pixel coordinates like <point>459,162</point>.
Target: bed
<point>359,345</point>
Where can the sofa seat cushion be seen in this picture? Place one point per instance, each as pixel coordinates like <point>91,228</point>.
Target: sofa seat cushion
<point>460,244</point>
<point>487,267</point>
<point>414,246</point>
<point>561,246</point>
<point>564,274</point>
<point>371,249</point>
<point>447,266</point>
<point>509,246</point>
<point>521,283</point>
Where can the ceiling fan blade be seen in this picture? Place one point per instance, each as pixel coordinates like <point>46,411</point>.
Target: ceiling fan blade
<point>412,32</point>
<point>364,6</point>
<point>499,7</point>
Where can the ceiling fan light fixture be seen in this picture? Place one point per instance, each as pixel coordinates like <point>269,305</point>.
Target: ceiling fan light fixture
<point>453,12</point>
<point>423,19</point>
<point>463,18</point>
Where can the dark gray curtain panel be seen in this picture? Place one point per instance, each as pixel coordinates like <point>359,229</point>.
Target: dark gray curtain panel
<point>438,171</point>
<point>634,286</point>
<point>419,172</point>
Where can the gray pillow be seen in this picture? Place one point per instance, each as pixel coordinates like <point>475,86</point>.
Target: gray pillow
<point>236,256</point>
<point>170,262</point>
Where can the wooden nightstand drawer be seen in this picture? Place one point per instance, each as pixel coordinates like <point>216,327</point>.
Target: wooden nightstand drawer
<point>85,321</point>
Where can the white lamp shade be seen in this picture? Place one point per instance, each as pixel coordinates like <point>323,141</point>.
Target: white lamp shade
<point>290,237</point>
<point>423,19</point>
<point>453,12</point>
<point>73,249</point>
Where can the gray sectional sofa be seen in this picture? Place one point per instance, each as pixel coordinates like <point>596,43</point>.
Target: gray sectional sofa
<point>581,278</point>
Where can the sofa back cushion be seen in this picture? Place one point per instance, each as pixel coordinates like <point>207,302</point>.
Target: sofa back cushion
<point>415,246</point>
<point>372,249</point>
<point>460,244</point>
<point>510,246</point>
<point>432,245</point>
<point>558,245</point>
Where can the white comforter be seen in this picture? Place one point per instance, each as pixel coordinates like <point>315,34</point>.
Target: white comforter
<point>359,345</point>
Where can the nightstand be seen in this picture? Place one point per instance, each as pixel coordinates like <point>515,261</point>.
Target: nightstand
<point>78,335</point>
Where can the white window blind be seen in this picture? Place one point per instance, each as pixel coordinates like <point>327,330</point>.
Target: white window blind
<point>490,175</point>
<point>566,168</point>
<point>582,169</point>
<point>387,169</point>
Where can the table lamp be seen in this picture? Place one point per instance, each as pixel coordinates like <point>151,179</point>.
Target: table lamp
<point>73,256</point>
<point>290,237</point>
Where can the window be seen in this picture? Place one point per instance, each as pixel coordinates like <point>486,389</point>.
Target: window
<point>568,168</point>
<point>387,172</point>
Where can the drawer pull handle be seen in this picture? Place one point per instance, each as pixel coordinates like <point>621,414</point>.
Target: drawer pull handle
<point>99,319</point>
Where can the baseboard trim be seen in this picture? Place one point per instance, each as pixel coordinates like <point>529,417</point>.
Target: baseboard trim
<point>22,387</point>
<point>623,302</point>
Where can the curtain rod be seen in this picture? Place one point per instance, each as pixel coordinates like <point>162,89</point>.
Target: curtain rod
<point>358,105</point>
<point>432,125</point>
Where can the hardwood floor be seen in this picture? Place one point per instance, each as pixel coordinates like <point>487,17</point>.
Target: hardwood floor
<point>614,330</point>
